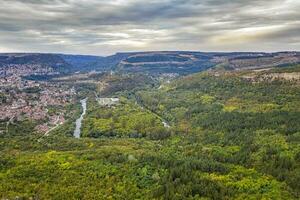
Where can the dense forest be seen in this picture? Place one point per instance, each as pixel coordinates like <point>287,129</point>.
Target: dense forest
<point>257,121</point>
<point>232,135</point>
<point>126,119</point>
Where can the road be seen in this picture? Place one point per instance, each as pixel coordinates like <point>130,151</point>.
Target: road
<point>51,129</point>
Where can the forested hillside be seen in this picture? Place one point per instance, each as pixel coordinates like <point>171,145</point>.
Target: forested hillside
<point>53,61</point>
<point>232,135</point>
<point>246,118</point>
<point>156,62</point>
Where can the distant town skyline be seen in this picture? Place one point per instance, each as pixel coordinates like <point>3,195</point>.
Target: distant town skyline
<point>100,27</point>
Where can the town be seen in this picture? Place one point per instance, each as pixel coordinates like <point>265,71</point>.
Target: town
<point>39,101</point>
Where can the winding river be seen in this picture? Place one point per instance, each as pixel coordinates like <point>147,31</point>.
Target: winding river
<point>79,120</point>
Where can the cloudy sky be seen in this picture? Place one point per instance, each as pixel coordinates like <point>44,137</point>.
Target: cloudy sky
<point>103,27</point>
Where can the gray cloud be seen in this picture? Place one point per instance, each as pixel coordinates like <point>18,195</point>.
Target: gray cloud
<point>103,27</point>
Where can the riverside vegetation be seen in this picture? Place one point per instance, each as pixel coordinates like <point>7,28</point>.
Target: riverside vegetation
<point>231,137</point>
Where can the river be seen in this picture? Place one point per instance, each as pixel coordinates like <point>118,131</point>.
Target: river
<point>79,120</point>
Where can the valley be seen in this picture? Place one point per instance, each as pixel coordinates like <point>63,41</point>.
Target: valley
<point>150,125</point>
<point>149,100</point>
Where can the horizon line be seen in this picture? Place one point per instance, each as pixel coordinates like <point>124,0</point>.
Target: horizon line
<point>149,51</point>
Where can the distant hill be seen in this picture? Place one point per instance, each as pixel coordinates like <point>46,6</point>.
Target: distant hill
<point>240,61</point>
<point>166,62</point>
<point>82,62</point>
<point>53,61</point>
<point>184,62</point>
<point>181,62</point>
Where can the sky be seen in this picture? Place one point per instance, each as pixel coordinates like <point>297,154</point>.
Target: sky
<point>103,27</point>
